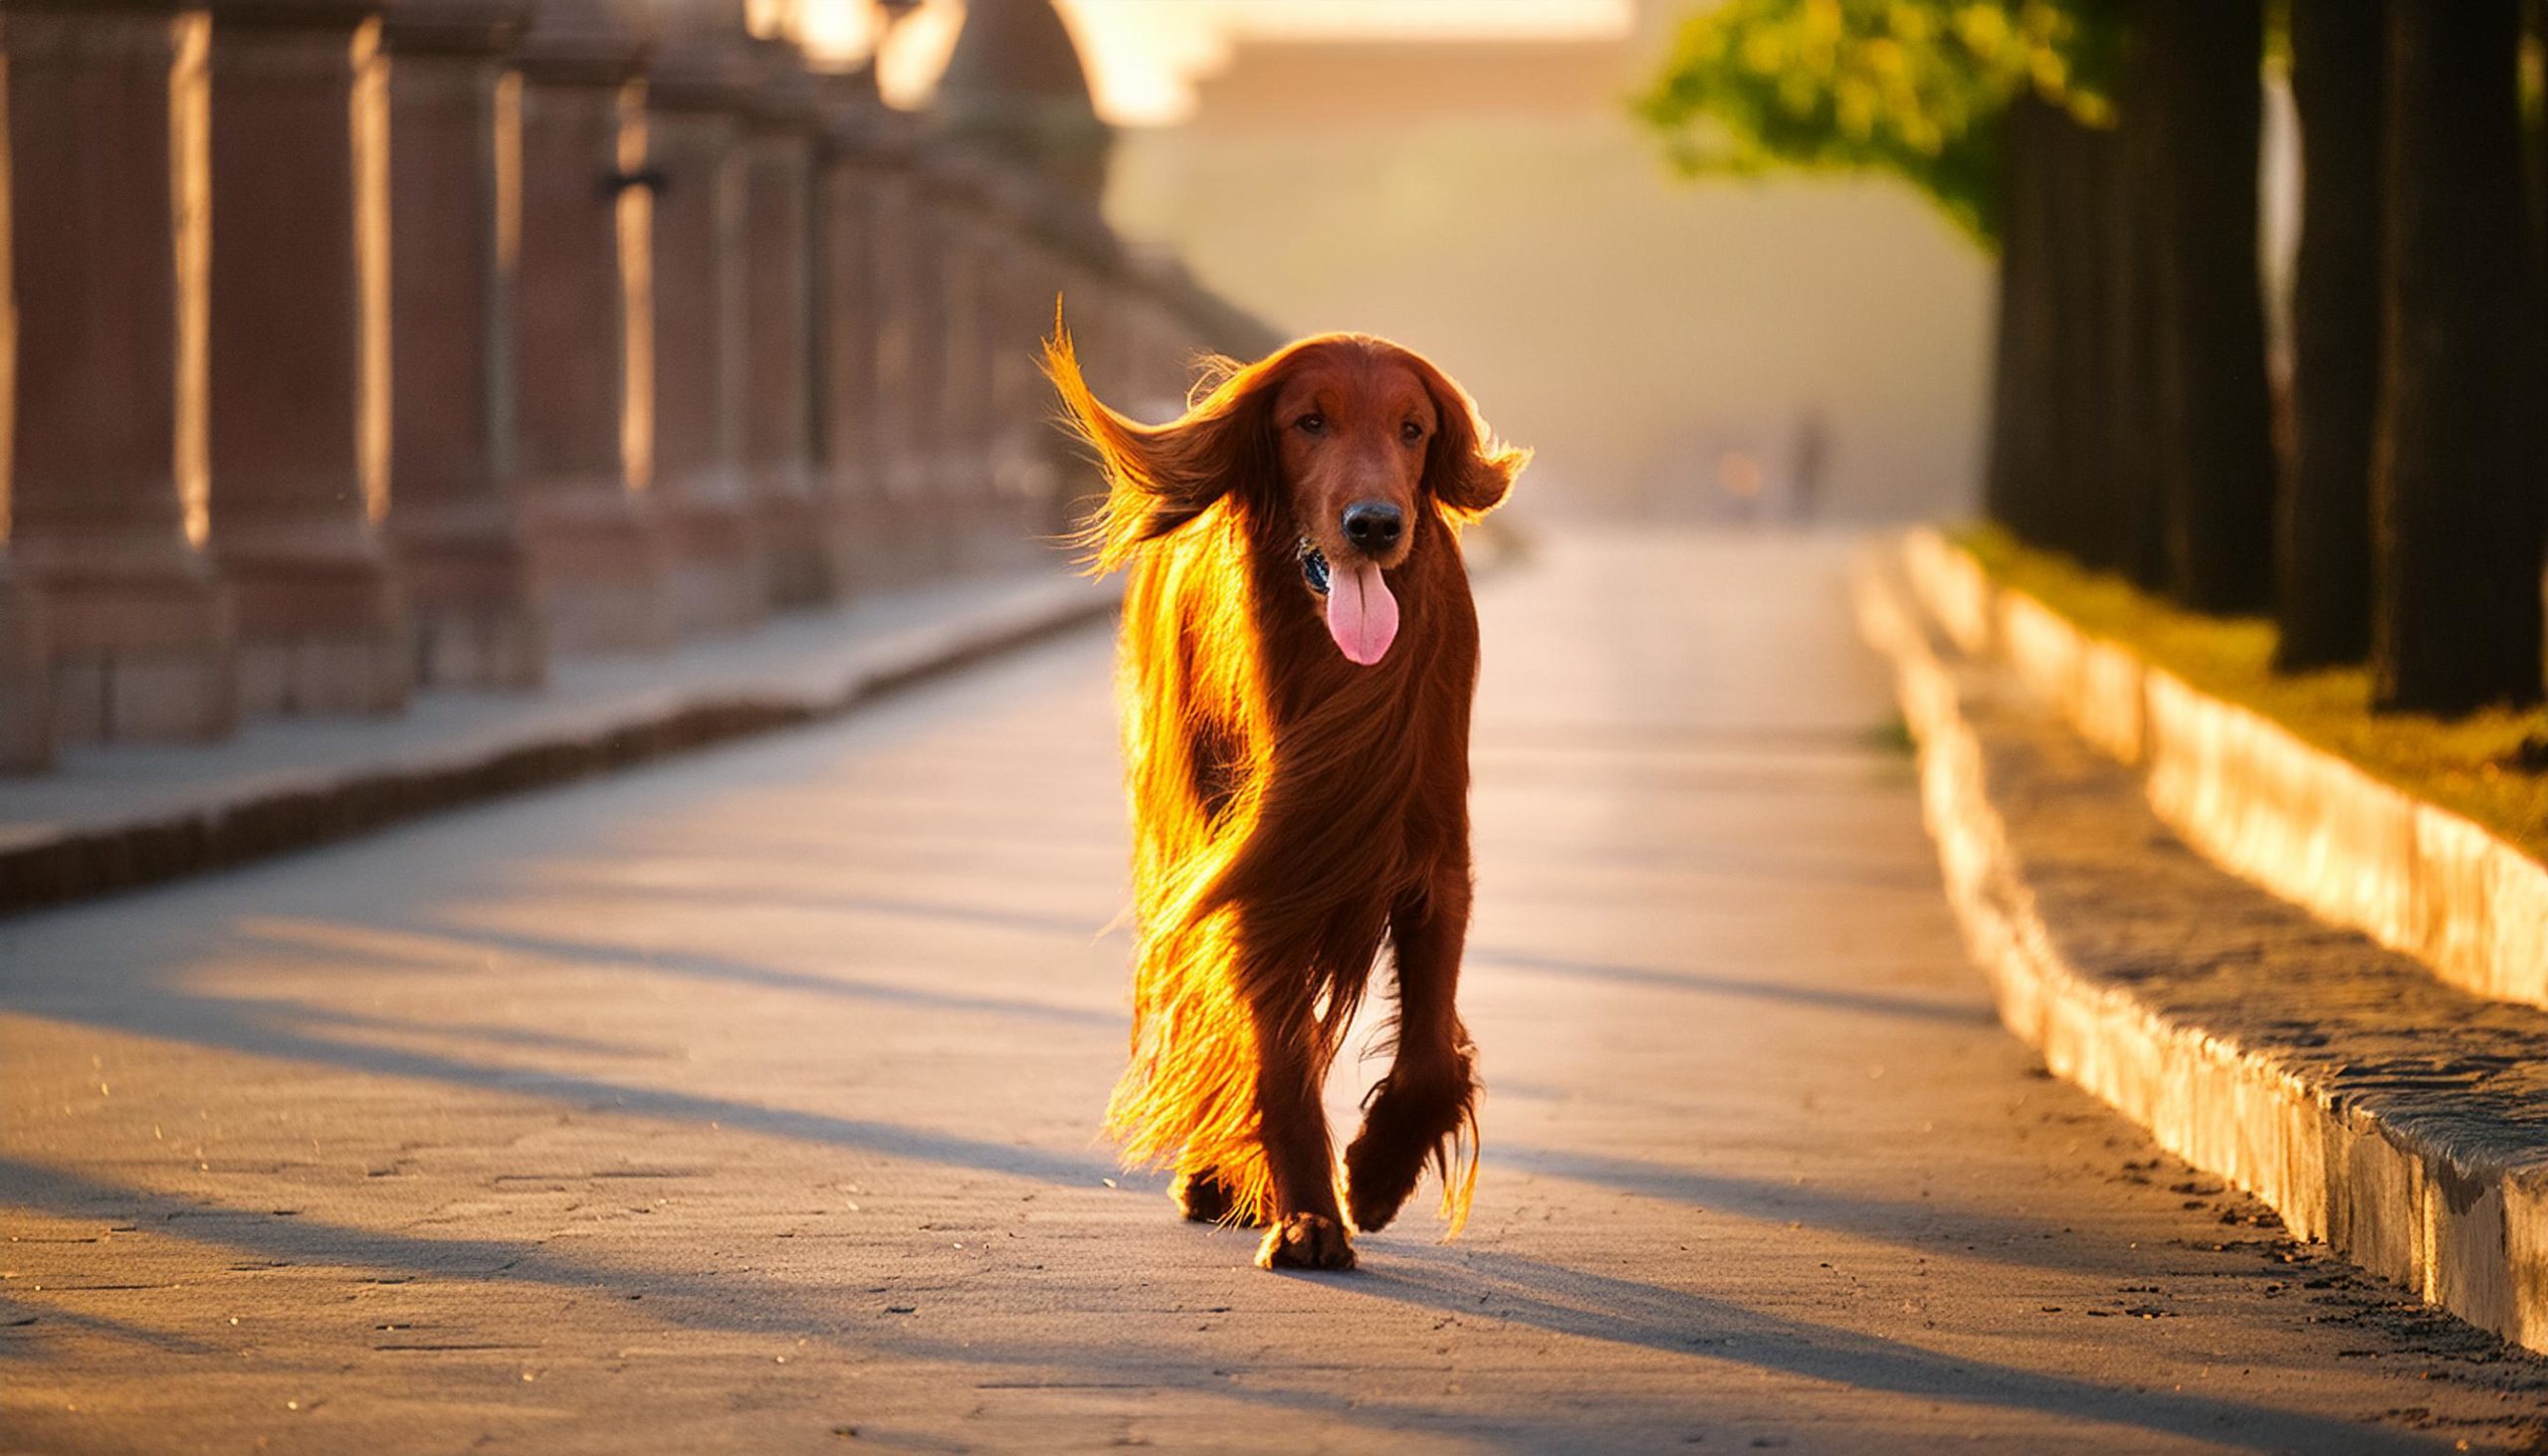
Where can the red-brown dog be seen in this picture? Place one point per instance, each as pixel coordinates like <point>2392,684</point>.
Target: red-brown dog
<point>1299,658</point>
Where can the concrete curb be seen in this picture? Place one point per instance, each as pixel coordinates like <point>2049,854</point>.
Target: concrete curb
<point>2292,818</point>
<point>2388,1191</point>
<point>271,814</point>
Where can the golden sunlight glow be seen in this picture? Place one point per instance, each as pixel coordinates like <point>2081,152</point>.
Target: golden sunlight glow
<point>190,188</point>
<point>636,222</point>
<point>371,253</point>
<point>508,174</point>
<point>1145,55</point>
<point>836,35</point>
<point>914,52</point>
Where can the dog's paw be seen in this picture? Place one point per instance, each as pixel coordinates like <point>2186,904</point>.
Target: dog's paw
<point>1306,1241</point>
<point>1405,1125</point>
<point>1379,1176</point>
<point>1203,1198</point>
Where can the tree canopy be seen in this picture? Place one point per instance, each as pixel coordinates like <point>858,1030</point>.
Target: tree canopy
<point>1914,88</point>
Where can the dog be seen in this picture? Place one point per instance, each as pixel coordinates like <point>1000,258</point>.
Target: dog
<point>1299,658</point>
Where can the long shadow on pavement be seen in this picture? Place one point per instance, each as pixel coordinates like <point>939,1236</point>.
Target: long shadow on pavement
<point>210,1022</point>
<point>758,896</point>
<point>1925,1224</point>
<point>1497,1285</point>
<point>308,940</point>
<point>1469,1284</point>
<point>1705,984</point>
<point>252,1028</point>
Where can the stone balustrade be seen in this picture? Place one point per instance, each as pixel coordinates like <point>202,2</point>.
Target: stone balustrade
<point>364,346</point>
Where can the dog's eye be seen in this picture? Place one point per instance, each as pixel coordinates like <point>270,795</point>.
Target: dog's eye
<point>1312,424</point>
<point>1411,432</point>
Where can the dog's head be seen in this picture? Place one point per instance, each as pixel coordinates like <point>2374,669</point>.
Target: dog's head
<point>1334,447</point>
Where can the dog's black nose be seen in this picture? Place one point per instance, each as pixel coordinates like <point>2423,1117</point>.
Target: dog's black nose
<point>1373,526</point>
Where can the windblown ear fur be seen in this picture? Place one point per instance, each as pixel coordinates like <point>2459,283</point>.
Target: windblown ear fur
<point>1160,477</point>
<point>1468,470</point>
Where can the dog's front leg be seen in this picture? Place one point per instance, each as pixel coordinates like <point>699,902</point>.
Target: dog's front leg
<point>1308,1228</point>
<point>1429,1095</point>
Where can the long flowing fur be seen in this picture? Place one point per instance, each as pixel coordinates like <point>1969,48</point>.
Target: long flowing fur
<point>1285,802</point>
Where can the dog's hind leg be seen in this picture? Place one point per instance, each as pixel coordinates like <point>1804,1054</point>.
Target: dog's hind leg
<point>1204,1196</point>
<point>1425,1108</point>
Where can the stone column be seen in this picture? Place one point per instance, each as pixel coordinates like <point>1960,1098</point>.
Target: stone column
<point>697,93</point>
<point>455,199</point>
<point>960,456</point>
<point>583,330</point>
<point>1158,336</point>
<point>105,254</point>
<point>297,414</point>
<point>1091,311</point>
<point>910,354</point>
<point>1026,446</point>
<point>1080,251</point>
<point>779,415</point>
<point>25,672</point>
<point>1094,294</point>
<point>849,306</point>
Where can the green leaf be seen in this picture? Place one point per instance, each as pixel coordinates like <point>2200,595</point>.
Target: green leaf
<point>1917,88</point>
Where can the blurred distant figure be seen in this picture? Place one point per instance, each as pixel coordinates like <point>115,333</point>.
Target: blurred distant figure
<point>1738,475</point>
<point>1813,447</point>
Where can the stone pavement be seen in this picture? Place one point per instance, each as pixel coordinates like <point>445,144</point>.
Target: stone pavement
<point>747,1101</point>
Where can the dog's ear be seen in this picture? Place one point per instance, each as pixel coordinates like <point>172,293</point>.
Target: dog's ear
<point>1160,477</point>
<point>1467,471</point>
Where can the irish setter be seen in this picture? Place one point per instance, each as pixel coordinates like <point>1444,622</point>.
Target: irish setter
<point>1299,657</point>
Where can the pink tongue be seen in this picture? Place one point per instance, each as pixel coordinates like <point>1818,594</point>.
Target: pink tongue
<point>1361,614</point>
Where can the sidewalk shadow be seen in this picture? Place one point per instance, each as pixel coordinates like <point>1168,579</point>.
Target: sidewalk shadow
<point>1977,1014</point>
<point>740,1304</point>
<point>1469,1284</point>
<point>762,897</point>
<point>306,938</point>
<point>287,1030</point>
<point>21,1320</point>
<point>1487,1283</point>
<point>1924,1224</point>
<point>212,1021</point>
<point>283,1009</point>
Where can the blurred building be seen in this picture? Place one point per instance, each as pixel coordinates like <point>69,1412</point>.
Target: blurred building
<point>1489,202</point>
<point>360,346</point>
<point>1015,88</point>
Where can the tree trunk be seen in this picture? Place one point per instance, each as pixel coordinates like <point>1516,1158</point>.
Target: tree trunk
<point>2001,450</point>
<point>2020,412</point>
<point>2083,456</point>
<point>2216,436</point>
<point>2457,474</point>
<point>2338,77</point>
<point>2133,243</point>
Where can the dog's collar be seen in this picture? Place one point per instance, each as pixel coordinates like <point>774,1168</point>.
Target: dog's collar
<point>1314,566</point>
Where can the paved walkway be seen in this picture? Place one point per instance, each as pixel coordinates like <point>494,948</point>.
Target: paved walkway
<point>747,1101</point>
